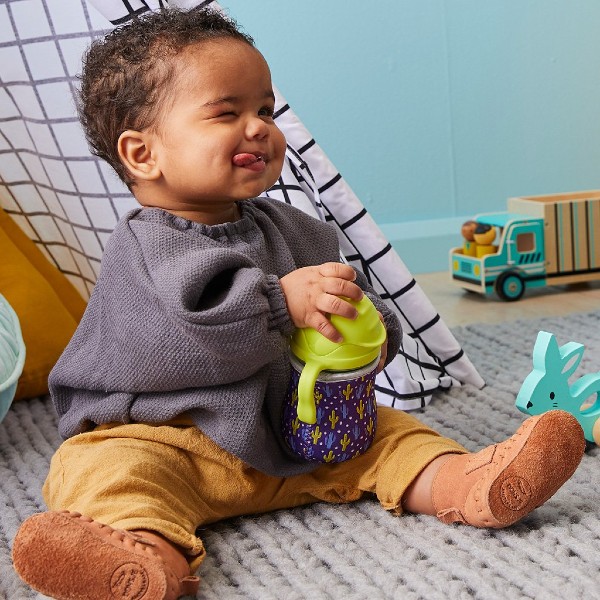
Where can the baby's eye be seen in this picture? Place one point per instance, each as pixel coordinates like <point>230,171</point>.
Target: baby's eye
<point>266,111</point>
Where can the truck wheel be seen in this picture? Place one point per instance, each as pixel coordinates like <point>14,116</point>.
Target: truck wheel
<point>510,286</point>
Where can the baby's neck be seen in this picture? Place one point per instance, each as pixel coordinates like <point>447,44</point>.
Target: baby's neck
<point>215,215</point>
<point>227,215</point>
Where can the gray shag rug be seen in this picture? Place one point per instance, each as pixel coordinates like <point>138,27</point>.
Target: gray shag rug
<point>360,551</point>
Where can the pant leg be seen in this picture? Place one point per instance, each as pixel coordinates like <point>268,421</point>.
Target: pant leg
<point>402,448</point>
<point>132,477</point>
<point>172,479</point>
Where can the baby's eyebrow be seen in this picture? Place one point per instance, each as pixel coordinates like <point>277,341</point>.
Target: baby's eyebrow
<point>219,101</point>
<point>268,94</point>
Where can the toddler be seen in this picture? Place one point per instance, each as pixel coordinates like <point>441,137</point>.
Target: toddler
<point>170,393</point>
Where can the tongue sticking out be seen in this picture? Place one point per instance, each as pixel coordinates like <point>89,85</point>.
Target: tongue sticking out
<point>244,159</point>
<point>250,161</point>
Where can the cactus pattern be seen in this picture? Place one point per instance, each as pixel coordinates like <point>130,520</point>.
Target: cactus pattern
<point>347,392</point>
<point>333,419</point>
<point>360,409</point>
<point>295,425</point>
<point>345,441</point>
<point>306,435</point>
<point>329,457</point>
<point>318,397</point>
<point>329,439</point>
<point>320,414</point>
<point>360,388</point>
<point>316,434</point>
<point>338,434</point>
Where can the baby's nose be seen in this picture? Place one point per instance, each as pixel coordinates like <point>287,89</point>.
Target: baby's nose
<point>256,128</point>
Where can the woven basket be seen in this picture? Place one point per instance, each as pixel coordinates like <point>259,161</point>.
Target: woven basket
<point>12,355</point>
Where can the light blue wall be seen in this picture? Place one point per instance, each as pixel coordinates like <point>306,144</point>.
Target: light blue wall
<point>436,110</point>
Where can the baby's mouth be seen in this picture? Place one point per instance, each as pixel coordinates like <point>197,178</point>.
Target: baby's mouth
<point>253,162</point>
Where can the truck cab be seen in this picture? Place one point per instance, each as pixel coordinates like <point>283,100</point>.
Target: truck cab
<point>514,262</point>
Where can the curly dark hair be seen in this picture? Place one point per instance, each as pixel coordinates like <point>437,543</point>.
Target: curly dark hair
<point>126,74</point>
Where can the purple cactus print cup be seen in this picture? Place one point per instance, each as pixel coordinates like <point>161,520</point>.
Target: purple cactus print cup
<point>346,415</point>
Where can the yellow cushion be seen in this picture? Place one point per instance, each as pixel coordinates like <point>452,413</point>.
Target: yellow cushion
<point>48,306</point>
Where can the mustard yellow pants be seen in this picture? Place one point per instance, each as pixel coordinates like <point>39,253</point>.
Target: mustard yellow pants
<point>172,479</point>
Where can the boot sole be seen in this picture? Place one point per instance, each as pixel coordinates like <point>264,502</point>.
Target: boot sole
<point>512,495</point>
<point>64,559</point>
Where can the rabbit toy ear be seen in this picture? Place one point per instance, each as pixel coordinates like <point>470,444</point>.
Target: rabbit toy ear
<point>546,363</point>
<point>546,355</point>
<point>549,358</point>
<point>570,356</point>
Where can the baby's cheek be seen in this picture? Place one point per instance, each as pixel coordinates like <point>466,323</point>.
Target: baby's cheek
<point>279,143</point>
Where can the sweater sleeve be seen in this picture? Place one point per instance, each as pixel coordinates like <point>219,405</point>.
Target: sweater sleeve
<point>226,311</point>
<point>215,287</point>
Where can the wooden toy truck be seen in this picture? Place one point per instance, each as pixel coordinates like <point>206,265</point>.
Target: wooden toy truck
<point>540,241</point>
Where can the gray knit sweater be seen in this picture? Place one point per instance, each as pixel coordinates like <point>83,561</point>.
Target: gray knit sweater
<point>189,319</point>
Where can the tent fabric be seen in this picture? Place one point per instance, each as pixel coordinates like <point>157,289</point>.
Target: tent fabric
<point>68,201</point>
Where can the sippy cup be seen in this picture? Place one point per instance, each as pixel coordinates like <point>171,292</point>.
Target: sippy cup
<point>330,414</point>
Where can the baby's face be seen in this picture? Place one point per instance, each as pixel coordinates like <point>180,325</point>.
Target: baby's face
<point>217,143</point>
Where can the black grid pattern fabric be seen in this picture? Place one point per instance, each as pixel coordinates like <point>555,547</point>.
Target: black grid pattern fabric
<point>68,201</point>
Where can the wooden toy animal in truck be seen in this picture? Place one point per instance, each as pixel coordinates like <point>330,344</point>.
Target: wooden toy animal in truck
<point>540,241</point>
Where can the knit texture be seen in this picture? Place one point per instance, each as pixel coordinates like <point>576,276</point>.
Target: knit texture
<point>359,551</point>
<point>190,319</point>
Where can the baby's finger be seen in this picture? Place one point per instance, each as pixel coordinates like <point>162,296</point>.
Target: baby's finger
<point>334,305</point>
<point>325,328</point>
<point>341,287</point>
<point>337,270</point>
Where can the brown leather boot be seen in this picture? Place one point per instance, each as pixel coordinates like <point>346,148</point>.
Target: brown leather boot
<point>68,556</point>
<point>502,483</point>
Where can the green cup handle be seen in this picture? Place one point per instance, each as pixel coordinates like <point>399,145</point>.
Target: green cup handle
<point>307,411</point>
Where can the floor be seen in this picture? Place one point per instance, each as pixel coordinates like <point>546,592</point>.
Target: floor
<point>460,307</point>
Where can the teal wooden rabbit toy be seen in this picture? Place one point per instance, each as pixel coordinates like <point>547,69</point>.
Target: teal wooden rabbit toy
<point>547,386</point>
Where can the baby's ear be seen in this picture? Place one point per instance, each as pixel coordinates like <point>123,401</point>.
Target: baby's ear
<point>135,151</point>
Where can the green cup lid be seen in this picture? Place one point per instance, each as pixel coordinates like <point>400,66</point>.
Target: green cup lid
<point>363,338</point>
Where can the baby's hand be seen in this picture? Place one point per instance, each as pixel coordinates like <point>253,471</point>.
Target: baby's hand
<point>313,293</point>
